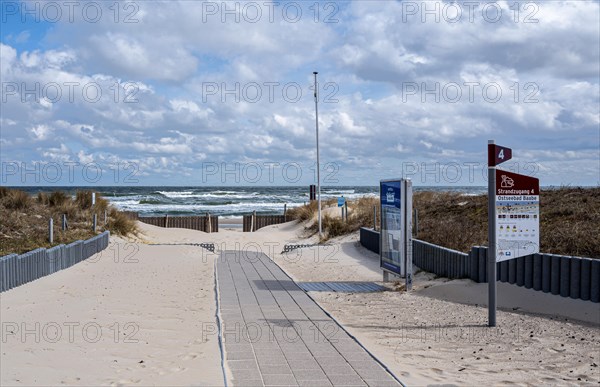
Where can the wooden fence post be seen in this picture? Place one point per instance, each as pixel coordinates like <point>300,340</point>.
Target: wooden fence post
<point>209,228</point>
<point>64,222</point>
<point>51,230</point>
<point>285,212</point>
<point>374,218</point>
<point>166,221</point>
<point>253,222</point>
<point>94,222</point>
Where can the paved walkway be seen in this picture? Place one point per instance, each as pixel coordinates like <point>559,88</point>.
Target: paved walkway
<point>274,334</point>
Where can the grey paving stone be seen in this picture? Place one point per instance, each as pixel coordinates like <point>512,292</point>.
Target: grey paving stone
<point>238,347</point>
<point>246,374</point>
<point>242,364</point>
<point>275,369</point>
<point>346,380</point>
<point>338,369</point>
<point>310,364</point>
<point>359,357</point>
<point>374,374</point>
<point>314,374</point>
<point>280,380</point>
<point>272,361</point>
<point>382,383</point>
<point>267,346</point>
<point>328,359</point>
<point>315,383</point>
<point>298,352</point>
<point>239,356</point>
<point>248,383</point>
<point>267,350</point>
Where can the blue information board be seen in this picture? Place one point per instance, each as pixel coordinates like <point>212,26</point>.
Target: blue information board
<point>395,242</point>
<point>341,201</point>
<point>391,226</point>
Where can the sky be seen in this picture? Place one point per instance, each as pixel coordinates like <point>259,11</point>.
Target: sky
<point>221,93</point>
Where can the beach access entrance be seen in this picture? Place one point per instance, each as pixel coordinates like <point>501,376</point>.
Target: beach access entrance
<point>207,223</point>
<point>254,222</point>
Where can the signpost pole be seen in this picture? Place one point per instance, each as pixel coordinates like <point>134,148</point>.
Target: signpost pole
<point>491,258</point>
<point>346,210</point>
<point>407,204</point>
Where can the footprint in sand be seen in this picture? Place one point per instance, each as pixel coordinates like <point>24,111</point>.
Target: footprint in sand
<point>124,382</point>
<point>189,356</point>
<point>556,350</point>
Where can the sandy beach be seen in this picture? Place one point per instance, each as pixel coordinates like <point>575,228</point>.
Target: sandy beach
<point>154,307</point>
<point>131,315</point>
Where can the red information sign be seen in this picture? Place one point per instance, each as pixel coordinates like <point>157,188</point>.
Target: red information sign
<point>508,183</point>
<point>498,154</point>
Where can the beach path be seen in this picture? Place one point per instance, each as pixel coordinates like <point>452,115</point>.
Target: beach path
<point>273,333</point>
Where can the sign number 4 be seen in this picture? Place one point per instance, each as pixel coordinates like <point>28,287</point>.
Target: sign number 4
<point>498,154</point>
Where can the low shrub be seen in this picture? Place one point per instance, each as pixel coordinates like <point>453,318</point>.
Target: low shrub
<point>121,224</point>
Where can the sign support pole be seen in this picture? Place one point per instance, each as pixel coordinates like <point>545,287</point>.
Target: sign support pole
<point>491,256</point>
<point>407,237</point>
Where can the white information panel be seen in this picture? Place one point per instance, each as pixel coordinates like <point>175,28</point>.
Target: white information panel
<point>517,215</point>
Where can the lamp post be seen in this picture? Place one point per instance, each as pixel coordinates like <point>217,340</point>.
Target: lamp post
<point>318,166</point>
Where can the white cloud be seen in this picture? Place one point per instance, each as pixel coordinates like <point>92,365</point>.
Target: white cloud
<point>153,108</point>
<point>40,132</point>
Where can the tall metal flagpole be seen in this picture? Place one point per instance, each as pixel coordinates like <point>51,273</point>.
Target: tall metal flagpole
<point>318,166</point>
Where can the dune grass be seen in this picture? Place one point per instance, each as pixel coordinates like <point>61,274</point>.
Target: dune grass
<point>24,219</point>
<point>569,220</point>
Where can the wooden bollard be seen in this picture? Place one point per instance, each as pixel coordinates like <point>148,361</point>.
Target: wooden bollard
<point>94,222</point>
<point>51,230</point>
<point>374,217</point>
<point>346,209</point>
<point>64,222</point>
<point>285,212</point>
<point>209,225</point>
<point>166,221</point>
